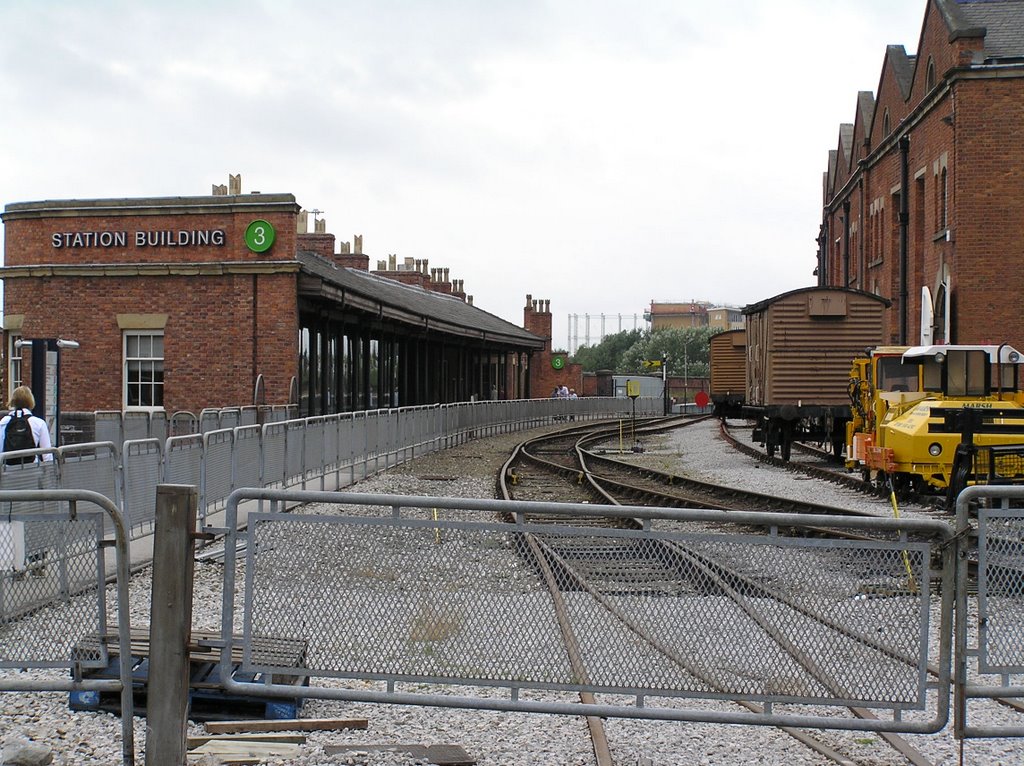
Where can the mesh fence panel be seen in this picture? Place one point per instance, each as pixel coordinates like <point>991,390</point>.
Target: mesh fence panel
<point>182,461</point>
<point>49,558</point>
<point>1001,591</point>
<point>247,456</point>
<point>93,467</point>
<point>142,464</point>
<point>217,466</point>
<point>671,614</point>
<point>275,444</point>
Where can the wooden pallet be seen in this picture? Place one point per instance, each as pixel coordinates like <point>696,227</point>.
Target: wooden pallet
<point>207,700</point>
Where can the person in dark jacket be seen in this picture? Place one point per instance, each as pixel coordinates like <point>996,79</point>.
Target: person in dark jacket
<point>23,401</point>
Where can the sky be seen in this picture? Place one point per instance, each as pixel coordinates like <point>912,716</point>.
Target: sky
<point>598,154</point>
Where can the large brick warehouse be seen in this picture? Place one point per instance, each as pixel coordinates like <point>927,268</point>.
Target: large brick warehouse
<point>924,194</point>
<point>186,303</point>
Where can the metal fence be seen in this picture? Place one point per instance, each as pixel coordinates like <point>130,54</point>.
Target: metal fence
<point>324,452</point>
<point>435,601</point>
<point>53,550</point>
<point>990,641</point>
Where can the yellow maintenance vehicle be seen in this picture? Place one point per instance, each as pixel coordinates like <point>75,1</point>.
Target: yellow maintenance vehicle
<point>931,419</point>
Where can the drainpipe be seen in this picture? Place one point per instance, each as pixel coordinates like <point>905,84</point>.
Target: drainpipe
<point>823,251</point>
<point>904,224</point>
<point>846,242</point>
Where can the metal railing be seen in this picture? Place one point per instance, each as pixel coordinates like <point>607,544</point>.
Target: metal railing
<point>53,550</point>
<point>327,452</point>
<point>990,644</point>
<point>425,600</point>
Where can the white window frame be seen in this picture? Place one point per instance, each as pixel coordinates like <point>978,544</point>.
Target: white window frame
<point>14,379</point>
<point>126,362</point>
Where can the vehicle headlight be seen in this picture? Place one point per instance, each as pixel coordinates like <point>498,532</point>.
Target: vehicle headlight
<point>934,449</point>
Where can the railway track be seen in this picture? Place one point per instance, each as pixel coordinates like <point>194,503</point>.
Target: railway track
<point>821,465</point>
<point>566,467</point>
<point>817,470</point>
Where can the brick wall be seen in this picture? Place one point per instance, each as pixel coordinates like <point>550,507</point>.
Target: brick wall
<point>543,376</point>
<point>988,222</point>
<point>231,314</point>
<point>963,124</point>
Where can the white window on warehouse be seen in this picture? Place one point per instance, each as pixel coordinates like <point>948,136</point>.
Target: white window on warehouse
<point>14,378</point>
<point>144,370</point>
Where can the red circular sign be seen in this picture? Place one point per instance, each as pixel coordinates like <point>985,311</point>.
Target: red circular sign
<point>702,399</point>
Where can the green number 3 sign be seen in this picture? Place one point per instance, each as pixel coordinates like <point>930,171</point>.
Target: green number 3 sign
<point>259,236</point>
<point>557,362</point>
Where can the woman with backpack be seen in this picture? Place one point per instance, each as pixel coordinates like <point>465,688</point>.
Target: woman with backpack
<point>20,429</point>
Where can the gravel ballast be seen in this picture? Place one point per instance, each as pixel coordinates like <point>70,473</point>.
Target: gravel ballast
<point>495,738</point>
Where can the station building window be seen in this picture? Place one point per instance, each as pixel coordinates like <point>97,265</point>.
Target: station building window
<point>143,369</point>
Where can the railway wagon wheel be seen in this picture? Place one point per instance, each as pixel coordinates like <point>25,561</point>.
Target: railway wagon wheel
<point>838,438</point>
<point>786,440</point>
<point>779,436</point>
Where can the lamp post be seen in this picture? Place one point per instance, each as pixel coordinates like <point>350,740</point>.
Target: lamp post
<point>664,384</point>
<point>46,353</point>
<point>686,382</point>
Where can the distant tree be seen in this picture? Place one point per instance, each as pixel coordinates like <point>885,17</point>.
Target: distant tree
<point>608,354</point>
<point>687,351</point>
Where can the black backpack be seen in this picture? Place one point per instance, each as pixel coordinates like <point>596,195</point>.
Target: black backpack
<point>18,435</point>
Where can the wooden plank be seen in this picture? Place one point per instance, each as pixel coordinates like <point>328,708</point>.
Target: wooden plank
<point>441,755</point>
<point>287,724</point>
<point>294,739</point>
<point>285,651</point>
<point>246,749</point>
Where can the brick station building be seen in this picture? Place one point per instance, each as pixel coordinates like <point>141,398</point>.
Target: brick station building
<point>924,194</point>
<point>185,303</point>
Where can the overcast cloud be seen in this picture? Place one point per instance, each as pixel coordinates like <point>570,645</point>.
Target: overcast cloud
<point>597,154</point>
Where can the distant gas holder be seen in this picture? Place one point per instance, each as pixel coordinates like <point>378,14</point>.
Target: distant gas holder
<point>160,238</point>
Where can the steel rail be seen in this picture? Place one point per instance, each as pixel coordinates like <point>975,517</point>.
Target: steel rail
<point>897,742</point>
<point>595,725</point>
<point>719,578</point>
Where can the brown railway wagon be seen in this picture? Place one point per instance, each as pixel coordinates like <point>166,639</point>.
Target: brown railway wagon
<point>728,355</point>
<point>800,346</point>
